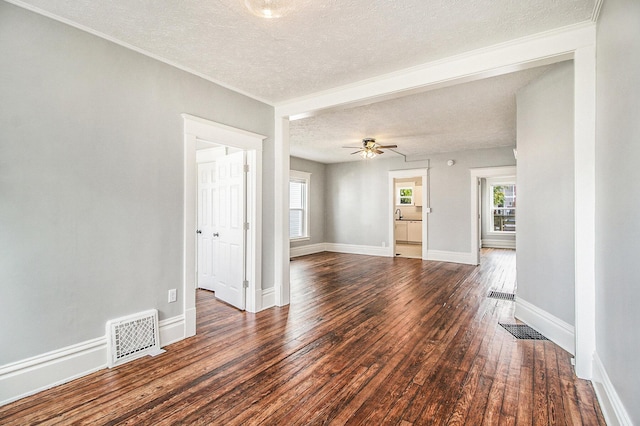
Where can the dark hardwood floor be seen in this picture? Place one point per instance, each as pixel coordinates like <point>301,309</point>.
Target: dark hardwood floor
<point>366,340</point>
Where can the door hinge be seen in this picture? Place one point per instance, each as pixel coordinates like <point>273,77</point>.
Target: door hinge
<point>246,226</point>
<point>245,168</point>
<point>245,283</point>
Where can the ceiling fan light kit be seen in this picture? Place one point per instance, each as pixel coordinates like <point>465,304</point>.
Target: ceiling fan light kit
<point>370,148</point>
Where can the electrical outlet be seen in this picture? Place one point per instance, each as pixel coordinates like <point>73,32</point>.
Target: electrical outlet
<point>173,295</point>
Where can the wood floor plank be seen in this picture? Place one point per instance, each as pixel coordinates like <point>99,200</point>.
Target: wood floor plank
<point>364,341</point>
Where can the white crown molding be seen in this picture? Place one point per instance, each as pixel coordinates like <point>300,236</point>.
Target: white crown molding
<point>32,375</point>
<point>552,327</point>
<point>597,7</point>
<point>610,403</point>
<point>136,49</point>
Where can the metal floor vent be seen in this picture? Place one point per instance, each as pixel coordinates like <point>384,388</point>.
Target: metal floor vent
<point>132,337</point>
<point>502,296</point>
<point>522,331</point>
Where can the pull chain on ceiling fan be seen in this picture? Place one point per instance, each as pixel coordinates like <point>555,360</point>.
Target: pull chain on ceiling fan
<point>370,148</point>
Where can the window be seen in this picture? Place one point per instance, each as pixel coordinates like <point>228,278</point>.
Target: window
<point>299,205</point>
<point>502,197</point>
<point>405,196</point>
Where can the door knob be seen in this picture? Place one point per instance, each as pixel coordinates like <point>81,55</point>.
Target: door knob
<point>215,234</point>
<point>199,231</point>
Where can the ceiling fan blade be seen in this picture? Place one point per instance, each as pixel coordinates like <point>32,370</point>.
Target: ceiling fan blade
<point>357,152</point>
<point>377,151</point>
<point>353,147</point>
<point>386,146</point>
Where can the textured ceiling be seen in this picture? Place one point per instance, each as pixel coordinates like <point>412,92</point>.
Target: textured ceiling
<point>476,115</point>
<point>321,44</point>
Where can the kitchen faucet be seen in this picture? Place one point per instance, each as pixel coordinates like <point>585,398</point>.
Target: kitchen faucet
<point>399,212</point>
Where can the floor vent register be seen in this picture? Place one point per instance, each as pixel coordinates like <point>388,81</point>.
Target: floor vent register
<point>523,332</point>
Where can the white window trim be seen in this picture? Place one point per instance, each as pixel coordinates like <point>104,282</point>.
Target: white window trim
<point>306,177</point>
<point>489,204</point>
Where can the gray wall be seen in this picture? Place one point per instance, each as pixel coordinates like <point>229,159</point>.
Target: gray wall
<point>91,180</point>
<point>618,198</point>
<point>357,198</point>
<point>545,261</point>
<point>316,203</point>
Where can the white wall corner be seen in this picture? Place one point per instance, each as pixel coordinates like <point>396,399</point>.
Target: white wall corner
<point>558,331</point>
<point>357,249</point>
<point>451,256</point>
<point>268,298</point>
<point>32,375</point>
<point>189,322</point>
<point>307,249</point>
<point>610,403</point>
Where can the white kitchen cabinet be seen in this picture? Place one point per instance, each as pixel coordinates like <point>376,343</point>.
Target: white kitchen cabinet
<point>417,196</point>
<point>401,230</point>
<point>414,231</point>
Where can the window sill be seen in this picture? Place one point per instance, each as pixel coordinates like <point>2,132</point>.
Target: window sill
<point>496,233</point>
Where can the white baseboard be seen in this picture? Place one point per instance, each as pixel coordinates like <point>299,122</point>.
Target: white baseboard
<point>171,330</point>
<point>189,322</point>
<point>610,403</point>
<point>32,375</point>
<point>494,243</point>
<point>552,327</point>
<point>438,255</point>
<point>356,249</point>
<point>268,298</point>
<point>451,256</point>
<point>307,249</point>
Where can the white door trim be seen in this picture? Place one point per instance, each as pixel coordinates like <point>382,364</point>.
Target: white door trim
<point>476,175</point>
<point>575,42</point>
<point>409,173</point>
<point>200,128</point>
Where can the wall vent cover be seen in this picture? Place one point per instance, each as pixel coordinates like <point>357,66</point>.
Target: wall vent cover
<point>132,337</point>
<point>522,331</point>
<point>502,296</point>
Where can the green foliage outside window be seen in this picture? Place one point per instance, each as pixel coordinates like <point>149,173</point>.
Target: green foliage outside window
<point>498,196</point>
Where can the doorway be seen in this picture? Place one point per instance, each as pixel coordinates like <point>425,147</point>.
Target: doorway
<point>408,217</point>
<point>221,234</point>
<point>408,208</point>
<point>489,175</point>
<point>199,129</point>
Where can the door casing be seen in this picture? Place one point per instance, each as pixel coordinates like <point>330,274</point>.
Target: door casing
<point>196,128</point>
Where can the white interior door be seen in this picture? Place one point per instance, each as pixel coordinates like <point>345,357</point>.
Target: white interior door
<point>206,207</point>
<point>229,231</point>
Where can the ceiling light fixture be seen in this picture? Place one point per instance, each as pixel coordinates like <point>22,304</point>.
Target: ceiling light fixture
<point>268,9</point>
<point>367,153</point>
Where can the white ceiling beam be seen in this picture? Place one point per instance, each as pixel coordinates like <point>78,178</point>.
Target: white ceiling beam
<point>516,55</point>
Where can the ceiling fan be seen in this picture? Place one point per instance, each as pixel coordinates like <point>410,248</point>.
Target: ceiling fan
<point>370,148</point>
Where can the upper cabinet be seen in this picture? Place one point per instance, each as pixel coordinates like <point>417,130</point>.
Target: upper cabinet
<point>417,196</point>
